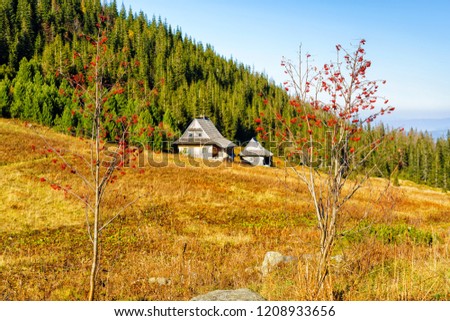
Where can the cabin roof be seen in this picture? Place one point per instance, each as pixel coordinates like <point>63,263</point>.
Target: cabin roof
<point>209,134</point>
<point>254,148</point>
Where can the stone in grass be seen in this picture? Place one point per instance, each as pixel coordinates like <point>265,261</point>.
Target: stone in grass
<point>230,295</point>
<point>273,259</point>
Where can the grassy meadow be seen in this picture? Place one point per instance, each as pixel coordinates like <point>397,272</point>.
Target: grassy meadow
<point>206,228</point>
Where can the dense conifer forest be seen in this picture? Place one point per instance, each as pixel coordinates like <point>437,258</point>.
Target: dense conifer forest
<point>168,79</point>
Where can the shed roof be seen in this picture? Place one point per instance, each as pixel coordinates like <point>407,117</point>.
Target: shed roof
<point>210,134</point>
<point>254,148</point>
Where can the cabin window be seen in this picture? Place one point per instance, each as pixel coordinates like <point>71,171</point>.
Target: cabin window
<point>191,135</point>
<point>199,134</point>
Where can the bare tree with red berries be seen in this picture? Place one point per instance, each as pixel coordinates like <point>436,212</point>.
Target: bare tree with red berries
<point>104,163</point>
<point>330,110</point>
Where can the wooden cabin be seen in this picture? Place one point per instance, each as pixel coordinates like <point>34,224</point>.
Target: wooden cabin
<point>203,140</point>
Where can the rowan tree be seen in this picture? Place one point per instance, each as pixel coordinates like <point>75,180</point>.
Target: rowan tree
<point>324,133</point>
<point>107,137</point>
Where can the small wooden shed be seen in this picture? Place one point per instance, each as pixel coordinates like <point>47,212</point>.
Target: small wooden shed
<point>255,154</point>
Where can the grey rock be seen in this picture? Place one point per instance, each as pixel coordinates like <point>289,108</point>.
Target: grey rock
<point>230,295</point>
<point>273,259</point>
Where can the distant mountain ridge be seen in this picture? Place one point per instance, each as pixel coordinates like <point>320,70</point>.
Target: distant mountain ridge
<point>437,127</point>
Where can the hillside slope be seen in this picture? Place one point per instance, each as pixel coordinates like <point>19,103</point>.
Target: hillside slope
<point>168,79</point>
<point>206,228</point>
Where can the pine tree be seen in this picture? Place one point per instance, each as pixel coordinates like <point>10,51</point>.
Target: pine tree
<point>5,97</point>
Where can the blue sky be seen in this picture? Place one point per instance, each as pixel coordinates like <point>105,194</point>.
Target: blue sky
<point>408,42</point>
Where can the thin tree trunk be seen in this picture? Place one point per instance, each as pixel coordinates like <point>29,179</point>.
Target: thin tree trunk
<point>327,242</point>
<point>327,219</point>
<point>95,255</point>
<point>95,239</point>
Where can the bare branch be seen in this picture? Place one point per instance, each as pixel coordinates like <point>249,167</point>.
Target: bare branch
<point>118,213</point>
<point>63,159</point>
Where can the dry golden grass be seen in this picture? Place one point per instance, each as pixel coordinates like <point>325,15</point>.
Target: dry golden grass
<point>209,228</point>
